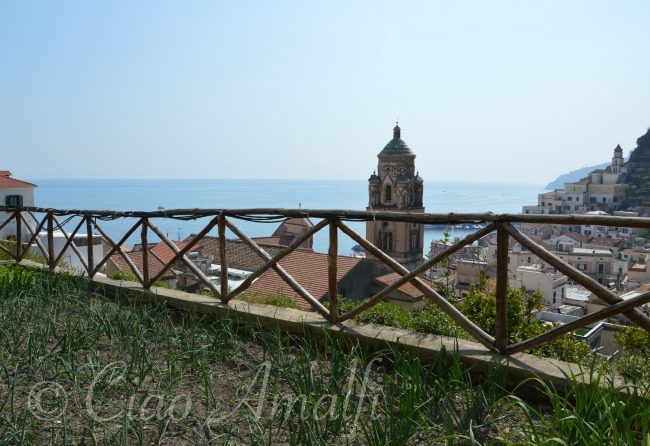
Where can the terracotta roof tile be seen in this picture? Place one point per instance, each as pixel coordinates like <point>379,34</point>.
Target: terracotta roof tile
<point>577,236</point>
<point>106,247</point>
<point>309,269</point>
<point>267,240</point>
<point>7,181</point>
<point>239,255</point>
<point>607,242</point>
<point>165,253</point>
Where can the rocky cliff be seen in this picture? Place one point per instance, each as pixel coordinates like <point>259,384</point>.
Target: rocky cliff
<point>638,176</point>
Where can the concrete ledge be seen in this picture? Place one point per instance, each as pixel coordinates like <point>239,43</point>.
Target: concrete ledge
<point>478,359</point>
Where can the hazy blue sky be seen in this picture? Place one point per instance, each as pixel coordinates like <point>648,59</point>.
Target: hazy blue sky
<point>503,91</point>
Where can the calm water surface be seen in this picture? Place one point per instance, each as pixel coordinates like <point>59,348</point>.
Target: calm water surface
<point>149,195</point>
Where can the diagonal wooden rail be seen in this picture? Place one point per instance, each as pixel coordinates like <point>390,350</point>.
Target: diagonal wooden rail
<point>37,226</point>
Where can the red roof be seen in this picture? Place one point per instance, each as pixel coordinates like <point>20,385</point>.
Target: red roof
<point>408,288</point>
<point>7,181</point>
<point>155,264</point>
<point>165,253</point>
<point>577,236</point>
<point>309,269</point>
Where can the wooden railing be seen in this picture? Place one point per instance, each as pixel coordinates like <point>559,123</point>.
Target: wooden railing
<point>37,220</point>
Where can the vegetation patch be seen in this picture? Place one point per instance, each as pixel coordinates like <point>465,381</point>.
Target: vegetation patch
<point>78,368</point>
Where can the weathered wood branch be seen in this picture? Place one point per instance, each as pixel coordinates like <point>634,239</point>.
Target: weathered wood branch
<point>502,290</point>
<point>451,218</point>
<point>332,257</point>
<point>223,258</point>
<point>91,245</point>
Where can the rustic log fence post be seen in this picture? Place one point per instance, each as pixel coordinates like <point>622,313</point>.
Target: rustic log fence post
<point>50,241</point>
<point>332,268</point>
<point>502,289</point>
<point>91,244</point>
<point>19,236</point>
<point>145,254</point>
<point>223,259</point>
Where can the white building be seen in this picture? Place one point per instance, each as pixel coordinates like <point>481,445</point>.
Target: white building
<point>14,192</point>
<point>70,258</point>
<point>551,285</point>
<point>600,190</point>
<point>567,242</point>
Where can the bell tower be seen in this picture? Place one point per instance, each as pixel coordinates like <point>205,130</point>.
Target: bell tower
<point>396,186</point>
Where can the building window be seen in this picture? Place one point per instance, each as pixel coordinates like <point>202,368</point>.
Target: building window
<point>601,268</point>
<point>14,200</point>
<point>604,200</point>
<point>569,199</point>
<point>415,237</point>
<point>577,198</point>
<point>388,194</point>
<point>385,238</point>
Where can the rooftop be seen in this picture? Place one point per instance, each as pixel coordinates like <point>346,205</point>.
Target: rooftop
<point>7,182</point>
<point>396,146</point>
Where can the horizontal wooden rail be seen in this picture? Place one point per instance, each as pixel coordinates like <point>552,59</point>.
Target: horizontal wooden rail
<point>425,218</point>
<point>39,222</point>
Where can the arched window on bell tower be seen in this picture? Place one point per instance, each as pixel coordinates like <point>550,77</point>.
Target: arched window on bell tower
<point>385,238</point>
<point>388,193</point>
<point>415,237</point>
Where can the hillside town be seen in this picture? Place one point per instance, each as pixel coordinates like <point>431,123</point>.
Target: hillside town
<point>616,257</point>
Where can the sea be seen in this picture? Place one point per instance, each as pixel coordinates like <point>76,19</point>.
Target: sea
<point>152,195</point>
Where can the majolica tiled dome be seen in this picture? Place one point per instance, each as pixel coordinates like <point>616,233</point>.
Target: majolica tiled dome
<point>396,146</point>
